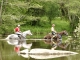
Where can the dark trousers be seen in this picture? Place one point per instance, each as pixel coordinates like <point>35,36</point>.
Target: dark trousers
<point>53,33</point>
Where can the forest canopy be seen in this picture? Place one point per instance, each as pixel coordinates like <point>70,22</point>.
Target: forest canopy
<point>41,13</point>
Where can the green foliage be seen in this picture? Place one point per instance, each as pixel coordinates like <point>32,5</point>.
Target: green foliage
<point>45,28</point>
<point>77,31</point>
<point>51,10</point>
<point>73,10</point>
<point>61,24</point>
<point>35,13</point>
<point>6,29</point>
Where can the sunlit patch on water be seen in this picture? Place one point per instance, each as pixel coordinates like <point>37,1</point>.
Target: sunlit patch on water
<point>39,53</point>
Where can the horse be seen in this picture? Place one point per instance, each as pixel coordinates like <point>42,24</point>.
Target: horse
<point>57,40</point>
<point>13,39</point>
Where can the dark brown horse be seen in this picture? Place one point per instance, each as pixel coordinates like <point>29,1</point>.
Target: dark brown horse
<point>57,40</point>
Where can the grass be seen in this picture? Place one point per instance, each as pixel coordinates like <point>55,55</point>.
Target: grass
<point>40,32</point>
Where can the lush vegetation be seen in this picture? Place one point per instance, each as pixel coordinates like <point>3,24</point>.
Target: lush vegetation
<point>38,15</point>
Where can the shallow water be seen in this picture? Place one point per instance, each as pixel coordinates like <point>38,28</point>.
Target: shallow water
<point>7,51</point>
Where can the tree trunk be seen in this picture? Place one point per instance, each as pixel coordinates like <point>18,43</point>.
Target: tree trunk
<point>1,12</point>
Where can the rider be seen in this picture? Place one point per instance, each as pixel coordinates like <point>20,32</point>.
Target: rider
<point>53,30</point>
<point>53,35</point>
<point>17,31</point>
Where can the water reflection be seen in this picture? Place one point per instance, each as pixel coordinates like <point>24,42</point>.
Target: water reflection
<point>7,53</point>
<point>39,53</point>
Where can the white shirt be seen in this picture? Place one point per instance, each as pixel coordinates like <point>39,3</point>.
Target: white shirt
<point>52,29</point>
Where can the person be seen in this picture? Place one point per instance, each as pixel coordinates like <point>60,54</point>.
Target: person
<point>17,31</point>
<point>53,30</point>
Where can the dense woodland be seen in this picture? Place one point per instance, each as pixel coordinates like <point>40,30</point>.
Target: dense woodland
<point>38,15</point>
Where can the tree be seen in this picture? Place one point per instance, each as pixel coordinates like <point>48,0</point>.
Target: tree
<point>1,12</point>
<point>51,10</point>
<point>70,10</point>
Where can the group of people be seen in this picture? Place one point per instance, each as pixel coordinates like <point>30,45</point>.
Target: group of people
<point>18,32</point>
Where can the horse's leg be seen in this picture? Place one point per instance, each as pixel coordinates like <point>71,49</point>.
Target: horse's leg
<point>66,45</point>
<point>19,42</point>
<point>63,46</point>
<point>59,43</point>
<point>54,45</point>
